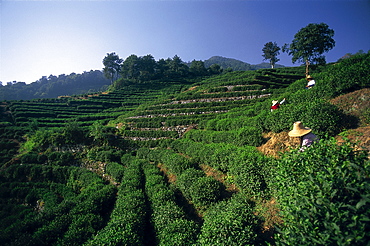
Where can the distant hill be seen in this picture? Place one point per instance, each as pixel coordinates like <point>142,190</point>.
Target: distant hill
<point>236,65</point>
<point>54,86</point>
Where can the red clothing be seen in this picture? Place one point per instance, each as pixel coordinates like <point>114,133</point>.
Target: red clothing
<point>276,106</point>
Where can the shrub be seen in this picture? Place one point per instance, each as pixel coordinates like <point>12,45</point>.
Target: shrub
<point>175,163</point>
<point>126,225</point>
<point>115,170</point>
<point>324,118</point>
<point>348,75</point>
<point>61,158</point>
<point>230,222</point>
<point>168,219</point>
<point>81,228</point>
<point>205,191</point>
<point>243,136</point>
<point>323,194</point>
<point>187,179</point>
<point>250,168</point>
<point>248,136</point>
<point>29,158</point>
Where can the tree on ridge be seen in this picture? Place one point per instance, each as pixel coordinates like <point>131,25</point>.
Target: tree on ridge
<point>310,43</point>
<point>270,52</point>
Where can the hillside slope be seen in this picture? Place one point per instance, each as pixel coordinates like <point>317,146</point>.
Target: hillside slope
<point>355,103</point>
<point>174,163</point>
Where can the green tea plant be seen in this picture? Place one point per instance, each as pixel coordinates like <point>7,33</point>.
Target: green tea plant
<point>187,179</point>
<point>127,223</point>
<point>169,221</point>
<point>205,191</point>
<point>323,194</point>
<point>243,136</point>
<point>115,170</point>
<point>230,222</point>
<point>323,117</point>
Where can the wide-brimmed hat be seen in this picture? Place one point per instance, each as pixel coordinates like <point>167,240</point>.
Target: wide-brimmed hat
<point>274,102</point>
<point>309,77</point>
<point>299,130</point>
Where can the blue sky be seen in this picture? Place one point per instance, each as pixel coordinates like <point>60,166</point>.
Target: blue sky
<point>40,38</point>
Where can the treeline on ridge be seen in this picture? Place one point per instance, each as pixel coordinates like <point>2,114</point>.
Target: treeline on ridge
<point>54,86</point>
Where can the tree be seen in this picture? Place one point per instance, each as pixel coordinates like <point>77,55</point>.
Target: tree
<point>310,43</point>
<point>112,66</point>
<point>176,67</point>
<point>215,69</point>
<point>270,52</point>
<point>130,67</point>
<point>147,67</point>
<point>161,68</point>
<point>197,68</point>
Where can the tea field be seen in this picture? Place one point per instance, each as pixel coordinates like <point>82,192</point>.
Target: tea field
<point>179,163</point>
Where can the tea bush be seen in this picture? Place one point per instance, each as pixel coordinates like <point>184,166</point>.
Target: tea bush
<point>323,194</point>
<point>243,136</point>
<point>116,170</point>
<point>175,162</point>
<point>250,169</point>
<point>230,222</point>
<point>168,219</point>
<point>187,179</point>
<point>324,118</point>
<point>205,191</point>
<point>127,223</point>
<point>348,75</point>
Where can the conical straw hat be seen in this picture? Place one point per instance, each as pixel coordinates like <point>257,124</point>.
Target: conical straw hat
<point>274,102</point>
<point>299,130</point>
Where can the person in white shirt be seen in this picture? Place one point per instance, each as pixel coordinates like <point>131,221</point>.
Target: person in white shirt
<point>304,133</point>
<point>311,82</point>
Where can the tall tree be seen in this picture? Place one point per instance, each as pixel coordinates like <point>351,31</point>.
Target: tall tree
<point>130,67</point>
<point>270,52</point>
<point>112,65</point>
<point>147,67</point>
<point>176,67</point>
<point>310,43</point>
<point>215,69</point>
<point>197,68</point>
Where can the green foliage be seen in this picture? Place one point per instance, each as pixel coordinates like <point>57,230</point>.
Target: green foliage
<point>230,222</point>
<point>53,86</point>
<point>81,228</point>
<point>250,169</point>
<point>205,191</point>
<point>348,75</point>
<point>127,223</point>
<point>185,181</point>
<point>46,200</point>
<point>169,220</point>
<point>323,195</point>
<point>243,136</point>
<point>62,158</point>
<point>112,66</point>
<point>175,163</point>
<point>270,52</point>
<point>324,118</point>
<point>311,42</point>
<point>105,154</point>
<point>115,170</point>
